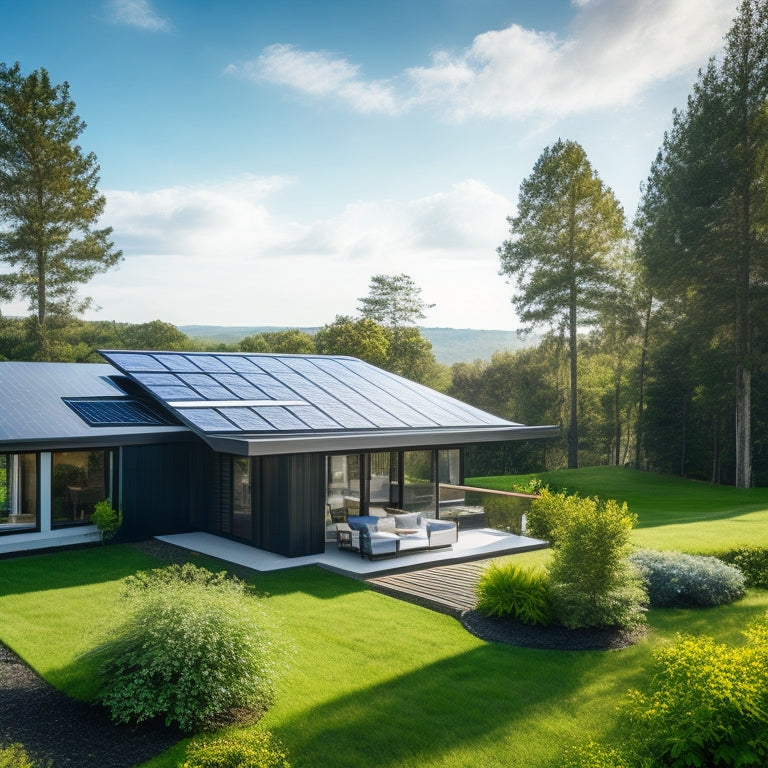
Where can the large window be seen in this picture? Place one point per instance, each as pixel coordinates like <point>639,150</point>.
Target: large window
<point>418,483</point>
<point>342,496</point>
<point>19,508</point>
<point>242,512</point>
<point>79,479</point>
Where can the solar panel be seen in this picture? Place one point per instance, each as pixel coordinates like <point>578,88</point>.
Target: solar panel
<point>117,413</point>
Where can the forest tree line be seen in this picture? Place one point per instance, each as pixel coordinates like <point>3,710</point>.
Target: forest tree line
<point>654,330</point>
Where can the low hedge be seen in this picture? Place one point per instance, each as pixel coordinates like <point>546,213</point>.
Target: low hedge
<point>751,561</point>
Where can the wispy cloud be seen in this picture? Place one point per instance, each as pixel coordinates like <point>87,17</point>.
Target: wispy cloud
<point>319,73</point>
<point>613,52</point>
<point>138,13</point>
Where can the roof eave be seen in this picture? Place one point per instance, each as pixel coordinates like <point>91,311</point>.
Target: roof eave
<point>386,440</point>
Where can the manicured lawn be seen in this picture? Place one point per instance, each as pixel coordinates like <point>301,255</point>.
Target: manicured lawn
<point>374,681</point>
<point>672,513</point>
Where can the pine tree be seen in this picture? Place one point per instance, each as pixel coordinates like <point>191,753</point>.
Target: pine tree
<point>567,230</point>
<point>49,202</point>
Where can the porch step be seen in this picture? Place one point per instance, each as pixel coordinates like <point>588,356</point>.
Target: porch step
<point>447,588</point>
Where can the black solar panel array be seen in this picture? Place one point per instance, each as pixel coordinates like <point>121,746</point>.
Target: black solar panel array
<point>116,413</point>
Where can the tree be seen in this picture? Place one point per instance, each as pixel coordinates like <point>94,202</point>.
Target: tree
<point>49,202</point>
<point>361,338</point>
<point>703,215</point>
<point>291,341</point>
<point>393,301</point>
<point>568,227</point>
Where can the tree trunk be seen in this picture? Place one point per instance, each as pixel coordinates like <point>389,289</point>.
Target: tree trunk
<point>641,388</point>
<point>573,432</point>
<point>743,427</point>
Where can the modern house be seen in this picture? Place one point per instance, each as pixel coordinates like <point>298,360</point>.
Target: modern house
<point>269,450</point>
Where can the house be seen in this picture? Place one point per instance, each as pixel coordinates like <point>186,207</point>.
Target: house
<point>269,450</point>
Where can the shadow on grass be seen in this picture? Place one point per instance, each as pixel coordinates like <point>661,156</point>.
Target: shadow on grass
<point>478,701</point>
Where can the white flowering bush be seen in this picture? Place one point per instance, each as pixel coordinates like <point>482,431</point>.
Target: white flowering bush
<point>193,649</point>
<point>677,580</point>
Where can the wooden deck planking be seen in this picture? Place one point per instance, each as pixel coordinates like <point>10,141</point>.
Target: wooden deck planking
<point>446,588</point>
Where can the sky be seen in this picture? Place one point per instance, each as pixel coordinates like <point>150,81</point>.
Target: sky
<point>263,159</point>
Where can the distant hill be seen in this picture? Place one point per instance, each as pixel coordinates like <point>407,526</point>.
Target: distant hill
<point>449,345</point>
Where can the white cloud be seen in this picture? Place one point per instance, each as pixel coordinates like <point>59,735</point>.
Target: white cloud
<point>220,221</point>
<point>319,73</point>
<point>226,254</point>
<point>137,13</point>
<point>614,50</point>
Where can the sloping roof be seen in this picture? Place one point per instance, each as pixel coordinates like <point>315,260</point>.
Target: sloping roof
<point>257,404</point>
<point>36,408</point>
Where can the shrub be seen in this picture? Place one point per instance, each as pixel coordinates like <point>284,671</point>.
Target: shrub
<point>546,513</point>
<point>189,574</point>
<point>193,650</point>
<point>257,750</point>
<point>106,519</point>
<point>751,561</point>
<point>14,756</point>
<point>593,583</point>
<point>593,755</point>
<point>509,590</point>
<point>677,580</point>
<point>707,703</point>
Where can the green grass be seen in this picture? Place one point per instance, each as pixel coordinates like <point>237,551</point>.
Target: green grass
<point>374,681</point>
<point>672,513</point>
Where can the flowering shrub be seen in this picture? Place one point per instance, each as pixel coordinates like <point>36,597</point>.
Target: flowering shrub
<point>592,755</point>
<point>677,580</point>
<point>751,561</point>
<point>192,650</point>
<point>707,703</point>
<point>509,590</point>
<point>256,750</point>
<point>14,756</point>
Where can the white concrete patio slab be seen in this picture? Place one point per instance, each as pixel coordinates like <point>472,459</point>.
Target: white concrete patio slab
<point>476,544</point>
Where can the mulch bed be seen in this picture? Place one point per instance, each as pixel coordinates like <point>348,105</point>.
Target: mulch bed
<point>63,733</point>
<point>555,638</point>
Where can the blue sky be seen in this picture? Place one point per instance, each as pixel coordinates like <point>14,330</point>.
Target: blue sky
<point>262,159</point>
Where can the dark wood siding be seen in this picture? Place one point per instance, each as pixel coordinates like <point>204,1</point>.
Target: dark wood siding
<point>158,491</point>
<point>290,518</point>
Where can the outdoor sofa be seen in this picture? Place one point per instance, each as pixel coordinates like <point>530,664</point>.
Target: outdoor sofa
<point>393,534</point>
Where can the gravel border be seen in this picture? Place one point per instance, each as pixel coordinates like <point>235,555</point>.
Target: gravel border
<point>60,732</point>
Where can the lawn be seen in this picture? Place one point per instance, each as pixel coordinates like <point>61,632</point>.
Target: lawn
<point>374,681</point>
<point>672,513</point>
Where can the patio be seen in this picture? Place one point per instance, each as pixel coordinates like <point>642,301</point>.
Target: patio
<point>477,544</point>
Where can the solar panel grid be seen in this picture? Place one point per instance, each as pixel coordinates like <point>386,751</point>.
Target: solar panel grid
<point>354,400</point>
<point>283,419</point>
<point>247,420</point>
<point>375,393</point>
<point>208,420</point>
<point>400,389</point>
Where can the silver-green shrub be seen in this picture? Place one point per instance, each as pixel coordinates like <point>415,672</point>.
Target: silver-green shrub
<point>193,649</point>
<point>678,580</point>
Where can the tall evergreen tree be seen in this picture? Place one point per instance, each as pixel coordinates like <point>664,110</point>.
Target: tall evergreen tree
<point>567,229</point>
<point>702,219</point>
<point>49,202</point>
